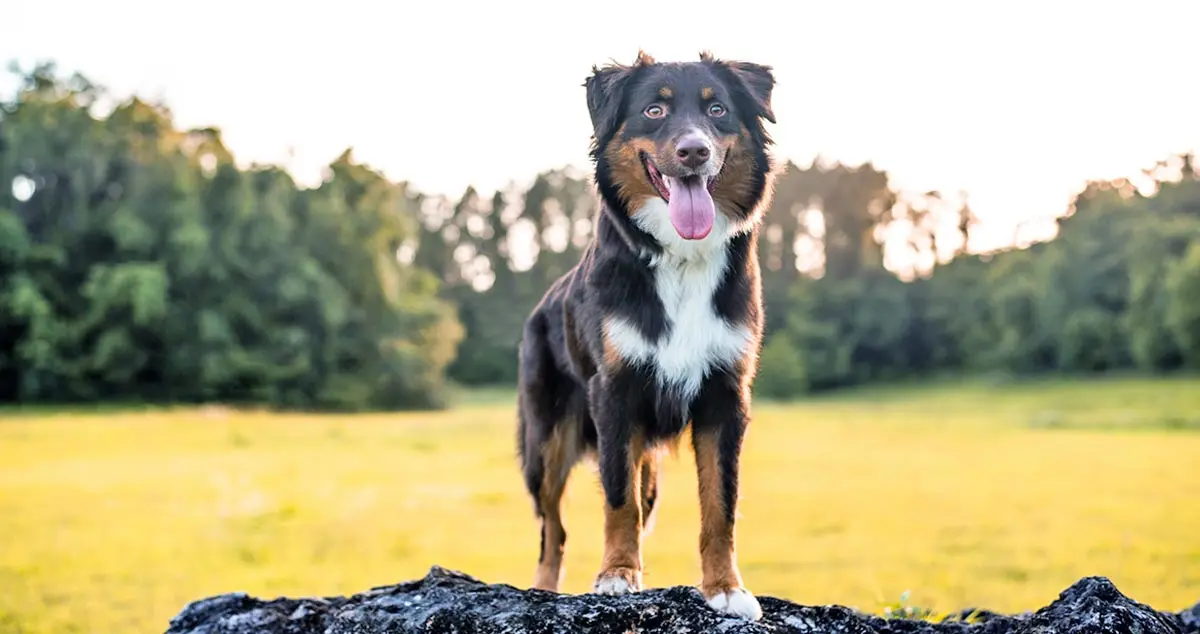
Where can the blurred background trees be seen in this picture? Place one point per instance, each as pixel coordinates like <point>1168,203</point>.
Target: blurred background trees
<point>139,262</point>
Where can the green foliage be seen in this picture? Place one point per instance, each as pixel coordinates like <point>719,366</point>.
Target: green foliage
<point>1183,308</point>
<point>781,371</point>
<point>138,262</point>
<point>1118,289</point>
<point>902,609</point>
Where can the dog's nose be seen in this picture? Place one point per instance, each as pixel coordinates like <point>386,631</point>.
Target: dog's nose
<point>692,151</point>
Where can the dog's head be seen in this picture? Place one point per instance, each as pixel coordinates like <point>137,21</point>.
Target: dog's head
<point>682,141</point>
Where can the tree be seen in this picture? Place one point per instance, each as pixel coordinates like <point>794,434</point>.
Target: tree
<point>138,262</point>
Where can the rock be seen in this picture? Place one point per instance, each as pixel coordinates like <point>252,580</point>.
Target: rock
<point>449,601</point>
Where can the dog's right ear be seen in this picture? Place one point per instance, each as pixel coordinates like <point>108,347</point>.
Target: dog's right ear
<point>605,91</point>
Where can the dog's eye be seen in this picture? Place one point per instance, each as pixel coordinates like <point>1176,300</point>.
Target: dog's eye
<point>716,110</point>
<point>655,111</point>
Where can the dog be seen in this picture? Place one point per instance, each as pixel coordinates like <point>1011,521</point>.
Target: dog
<point>659,324</point>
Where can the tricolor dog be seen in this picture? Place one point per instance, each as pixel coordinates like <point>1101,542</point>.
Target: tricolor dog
<point>658,326</point>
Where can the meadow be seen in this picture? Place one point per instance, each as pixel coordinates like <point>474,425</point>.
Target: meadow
<point>988,494</point>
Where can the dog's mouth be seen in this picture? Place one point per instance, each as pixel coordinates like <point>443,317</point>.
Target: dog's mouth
<point>689,200</point>
<point>660,182</point>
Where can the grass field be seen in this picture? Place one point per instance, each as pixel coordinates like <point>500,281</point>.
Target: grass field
<point>992,495</point>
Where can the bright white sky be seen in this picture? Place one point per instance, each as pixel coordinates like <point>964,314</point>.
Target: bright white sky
<point>1016,102</point>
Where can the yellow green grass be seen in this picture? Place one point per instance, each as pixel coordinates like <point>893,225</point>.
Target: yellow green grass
<point>993,495</point>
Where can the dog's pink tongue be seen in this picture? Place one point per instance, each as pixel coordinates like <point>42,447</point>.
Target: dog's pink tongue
<point>691,207</point>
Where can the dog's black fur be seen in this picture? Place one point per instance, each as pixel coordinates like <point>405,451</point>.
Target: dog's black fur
<point>580,392</point>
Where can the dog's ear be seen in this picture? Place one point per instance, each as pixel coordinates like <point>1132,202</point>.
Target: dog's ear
<point>605,91</point>
<point>753,82</point>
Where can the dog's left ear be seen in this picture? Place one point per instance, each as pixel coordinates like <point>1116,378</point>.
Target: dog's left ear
<point>757,81</point>
<point>605,88</point>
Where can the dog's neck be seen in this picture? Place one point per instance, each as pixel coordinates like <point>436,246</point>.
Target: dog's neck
<point>648,235</point>
<point>654,220</point>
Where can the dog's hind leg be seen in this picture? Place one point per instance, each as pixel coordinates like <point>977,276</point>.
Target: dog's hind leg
<point>651,463</point>
<point>559,455</point>
<point>550,447</point>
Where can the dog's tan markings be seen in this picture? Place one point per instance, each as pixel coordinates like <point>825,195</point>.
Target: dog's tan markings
<point>733,190</point>
<point>623,528</point>
<point>624,158</point>
<point>706,93</point>
<point>665,92</point>
<point>559,454</point>
<point>612,357</point>
<point>718,561</point>
<point>728,142</point>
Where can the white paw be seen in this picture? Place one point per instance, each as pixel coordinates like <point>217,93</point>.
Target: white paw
<point>613,585</point>
<point>738,602</point>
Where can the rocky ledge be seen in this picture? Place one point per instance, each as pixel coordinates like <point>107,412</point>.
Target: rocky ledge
<point>449,601</point>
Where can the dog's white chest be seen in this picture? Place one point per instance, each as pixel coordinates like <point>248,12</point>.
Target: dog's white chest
<point>697,338</point>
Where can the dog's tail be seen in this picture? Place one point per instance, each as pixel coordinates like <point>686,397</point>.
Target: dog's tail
<point>529,442</point>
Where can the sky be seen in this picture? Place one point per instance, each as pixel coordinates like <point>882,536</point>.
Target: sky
<point>1018,103</point>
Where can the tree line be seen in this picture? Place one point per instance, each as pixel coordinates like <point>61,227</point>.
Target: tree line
<point>139,262</point>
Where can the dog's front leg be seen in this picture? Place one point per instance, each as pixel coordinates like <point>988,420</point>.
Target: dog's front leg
<point>619,446</point>
<point>718,424</point>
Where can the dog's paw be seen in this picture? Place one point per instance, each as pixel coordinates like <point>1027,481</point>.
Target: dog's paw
<point>736,601</point>
<point>618,581</point>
